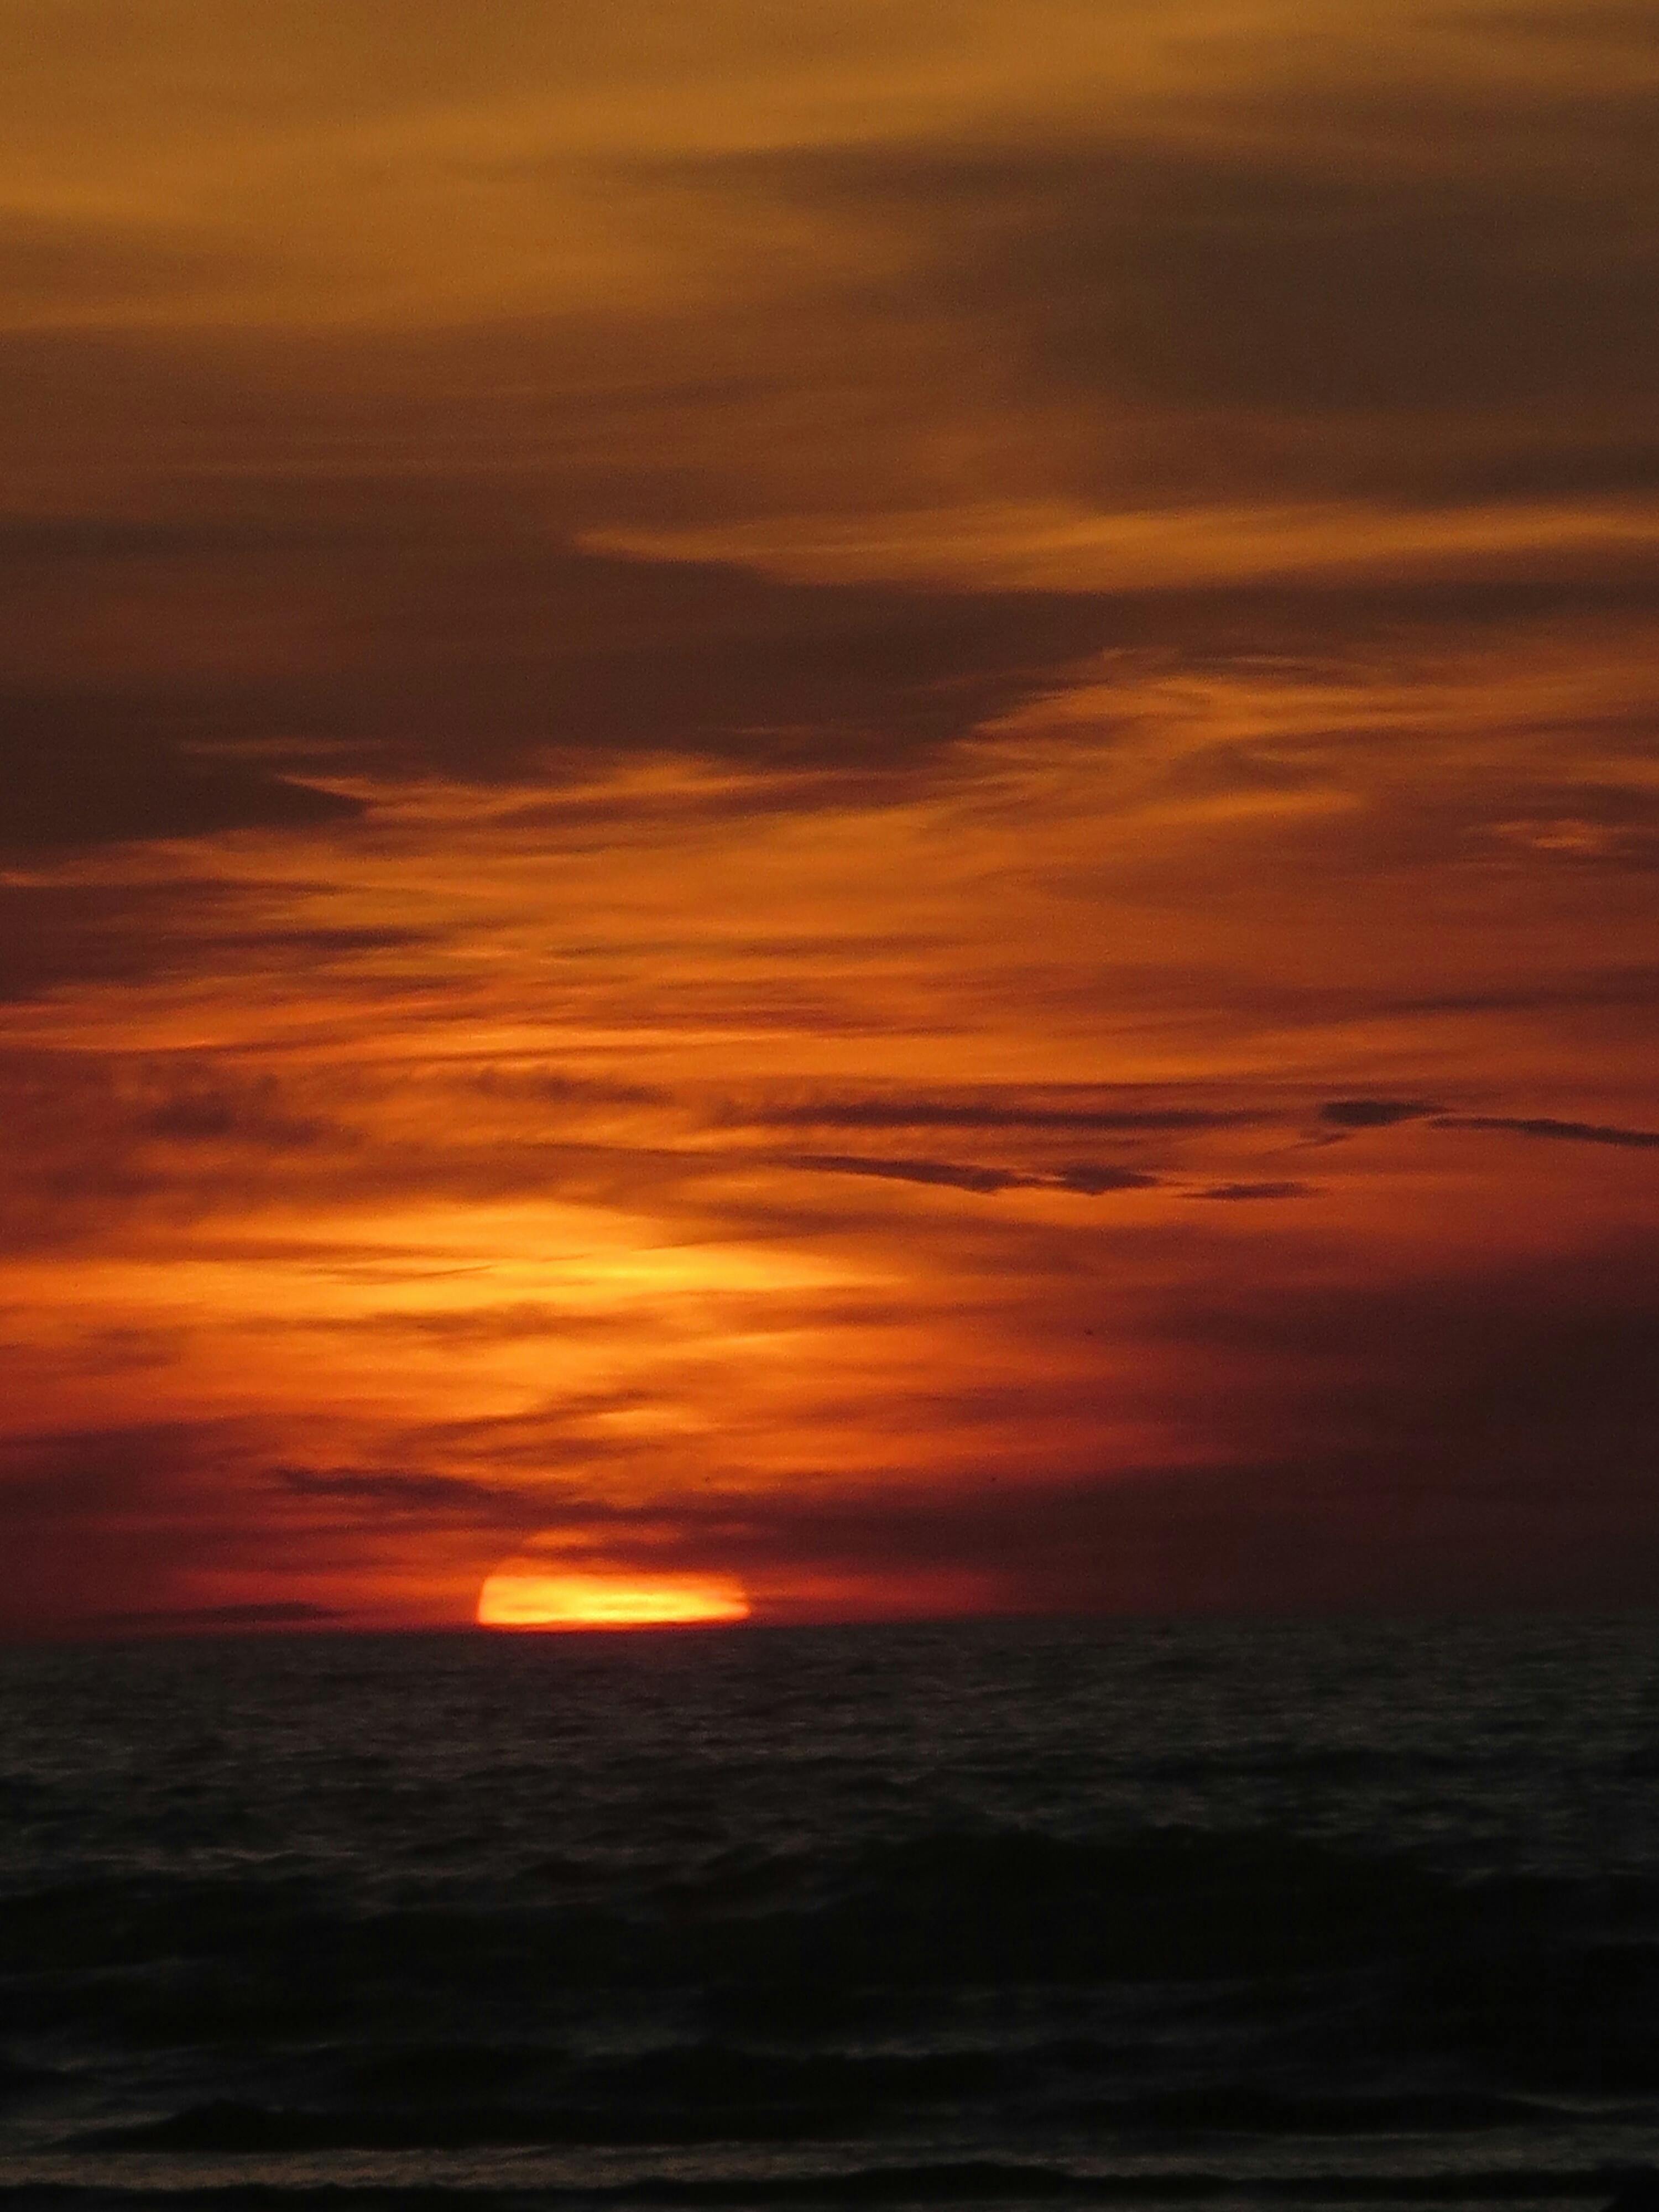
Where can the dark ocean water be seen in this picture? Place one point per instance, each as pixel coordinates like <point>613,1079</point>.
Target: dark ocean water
<point>1000,1914</point>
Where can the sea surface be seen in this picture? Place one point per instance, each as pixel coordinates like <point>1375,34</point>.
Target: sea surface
<point>991,1914</point>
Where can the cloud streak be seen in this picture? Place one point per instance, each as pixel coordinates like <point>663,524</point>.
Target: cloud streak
<point>1542,1125</point>
<point>1084,1177</point>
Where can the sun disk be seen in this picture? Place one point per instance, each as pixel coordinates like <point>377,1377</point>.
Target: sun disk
<point>520,1597</point>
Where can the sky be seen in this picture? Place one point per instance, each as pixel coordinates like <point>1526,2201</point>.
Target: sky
<point>856,796</point>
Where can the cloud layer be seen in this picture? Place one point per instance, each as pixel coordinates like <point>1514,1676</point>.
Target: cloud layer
<point>866,800</point>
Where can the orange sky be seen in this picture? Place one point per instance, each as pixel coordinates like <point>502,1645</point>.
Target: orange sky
<point>856,797</point>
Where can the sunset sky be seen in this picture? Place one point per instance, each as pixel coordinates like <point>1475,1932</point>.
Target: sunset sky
<point>854,795</point>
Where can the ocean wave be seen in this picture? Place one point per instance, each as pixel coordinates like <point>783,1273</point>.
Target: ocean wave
<point>853,1903</point>
<point>968,2181</point>
<point>227,2126</point>
<point>1165,1902</point>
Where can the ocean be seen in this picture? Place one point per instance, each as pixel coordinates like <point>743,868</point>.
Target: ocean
<point>1007,1914</point>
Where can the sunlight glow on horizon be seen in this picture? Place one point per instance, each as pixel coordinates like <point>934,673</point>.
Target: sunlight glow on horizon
<point>521,1598</point>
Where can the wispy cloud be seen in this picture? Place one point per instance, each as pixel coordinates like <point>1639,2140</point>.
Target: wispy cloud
<point>1542,1125</point>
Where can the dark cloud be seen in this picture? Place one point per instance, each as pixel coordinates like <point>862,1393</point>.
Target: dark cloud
<point>1548,1360</point>
<point>1092,1179</point>
<point>204,1120</point>
<point>1247,1190</point>
<point>119,1518</point>
<point>93,769</point>
<point>1539,1125</point>
<point>451,636</point>
<point>95,1136</point>
<point>1083,1177</point>
<point>1299,285</point>
<point>83,547</point>
<point>56,933</point>
<point>1374,1113</point>
<point>60,1475</point>
<point>440,630</point>
<point>575,652</point>
<point>947,1174</point>
<point>1614,986</point>
<point>384,1492</point>
<point>53,262</point>
<point>1586,23</point>
<point>557,1087</point>
<point>469,1324</point>
<point>183,1620</point>
<point>1268,1534</point>
<point>1485,1438</point>
<point>1278,307</point>
<point>999,1110</point>
<point>161,794</point>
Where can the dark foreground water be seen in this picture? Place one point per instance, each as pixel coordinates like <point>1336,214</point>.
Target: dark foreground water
<point>1007,1914</point>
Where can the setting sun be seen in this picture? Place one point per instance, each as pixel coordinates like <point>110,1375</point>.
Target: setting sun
<point>523,1598</point>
